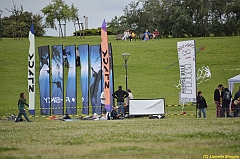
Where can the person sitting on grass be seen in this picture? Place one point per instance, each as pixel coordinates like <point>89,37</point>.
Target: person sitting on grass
<point>114,113</point>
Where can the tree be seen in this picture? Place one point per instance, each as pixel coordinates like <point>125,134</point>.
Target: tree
<point>57,11</point>
<point>180,18</point>
<point>19,22</point>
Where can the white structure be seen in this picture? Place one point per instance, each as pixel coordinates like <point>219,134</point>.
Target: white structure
<point>231,82</point>
<point>146,106</point>
<point>85,21</point>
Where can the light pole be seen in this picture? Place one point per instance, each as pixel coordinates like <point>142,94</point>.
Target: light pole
<point>125,58</point>
<point>1,25</point>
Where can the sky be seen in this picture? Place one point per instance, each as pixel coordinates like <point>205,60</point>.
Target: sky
<point>95,10</point>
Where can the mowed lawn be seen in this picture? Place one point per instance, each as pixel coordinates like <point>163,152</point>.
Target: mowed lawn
<point>172,137</point>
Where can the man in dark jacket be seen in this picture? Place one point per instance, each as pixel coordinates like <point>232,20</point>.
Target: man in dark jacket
<point>201,105</point>
<point>226,99</point>
<point>217,100</point>
<point>237,103</point>
<point>120,95</point>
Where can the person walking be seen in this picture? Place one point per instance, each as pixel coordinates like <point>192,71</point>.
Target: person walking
<point>120,95</point>
<point>201,105</point>
<point>217,98</point>
<point>21,108</point>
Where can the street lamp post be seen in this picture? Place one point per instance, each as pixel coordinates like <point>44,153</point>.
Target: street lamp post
<point>1,25</point>
<point>125,58</point>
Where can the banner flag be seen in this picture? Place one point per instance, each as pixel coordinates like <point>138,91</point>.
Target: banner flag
<point>84,56</point>
<point>111,75</point>
<point>96,77</point>
<point>57,80</point>
<point>31,70</point>
<point>187,64</point>
<point>105,66</point>
<point>44,80</point>
<point>71,91</point>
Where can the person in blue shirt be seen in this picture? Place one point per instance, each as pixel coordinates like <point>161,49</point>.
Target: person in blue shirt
<point>146,35</point>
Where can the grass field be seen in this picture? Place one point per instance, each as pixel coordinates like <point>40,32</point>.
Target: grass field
<point>173,137</point>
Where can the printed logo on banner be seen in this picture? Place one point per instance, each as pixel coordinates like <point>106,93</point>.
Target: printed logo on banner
<point>186,56</point>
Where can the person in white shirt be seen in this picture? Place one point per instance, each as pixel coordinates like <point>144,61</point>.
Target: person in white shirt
<point>102,97</point>
<point>130,96</point>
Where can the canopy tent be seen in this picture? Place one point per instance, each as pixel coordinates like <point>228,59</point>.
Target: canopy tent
<point>233,80</point>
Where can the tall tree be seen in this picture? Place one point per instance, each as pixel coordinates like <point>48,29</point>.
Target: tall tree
<point>57,11</point>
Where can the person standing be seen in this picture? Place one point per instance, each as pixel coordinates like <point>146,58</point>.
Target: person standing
<point>102,97</point>
<point>226,99</point>
<point>21,108</point>
<point>130,96</point>
<point>236,103</point>
<point>201,105</point>
<point>217,100</point>
<point>120,95</point>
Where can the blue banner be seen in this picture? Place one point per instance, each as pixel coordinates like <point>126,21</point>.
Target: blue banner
<point>71,92</point>
<point>44,79</point>
<point>111,74</point>
<point>84,56</point>
<point>57,80</point>
<point>96,78</point>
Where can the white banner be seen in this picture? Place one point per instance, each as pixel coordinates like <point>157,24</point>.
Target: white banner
<point>31,71</point>
<point>146,106</point>
<point>187,65</point>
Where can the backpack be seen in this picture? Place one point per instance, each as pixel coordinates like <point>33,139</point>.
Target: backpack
<point>227,95</point>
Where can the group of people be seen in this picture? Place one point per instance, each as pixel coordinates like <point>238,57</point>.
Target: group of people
<point>224,102</point>
<point>147,35</point>
<point>122,107</point>
<point>222,98</point>
<point>129,34</point>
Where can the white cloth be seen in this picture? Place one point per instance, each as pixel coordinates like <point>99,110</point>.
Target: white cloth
<point>102,96</point>
<point>130,96</point>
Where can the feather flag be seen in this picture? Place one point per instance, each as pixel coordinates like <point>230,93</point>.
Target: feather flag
<point>105,66</point>
<point>31,70</point>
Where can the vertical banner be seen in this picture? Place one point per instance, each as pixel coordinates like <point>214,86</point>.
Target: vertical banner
<point>31,70</point>
<point>84,56</point>
<point>105,66</point>
<point>57,80</point>
<point>187,64</point>
<point>44,79</point>
<point>111,75</point>
<point>71,91</point>
<point>95,79</point>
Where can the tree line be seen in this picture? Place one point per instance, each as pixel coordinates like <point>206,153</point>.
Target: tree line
<point>176,18</point>
<point>180,18</point>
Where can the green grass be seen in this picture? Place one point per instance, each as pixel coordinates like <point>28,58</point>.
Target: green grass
<point>147,77</point>
<point>130,138</point>
<point>173,137</point>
